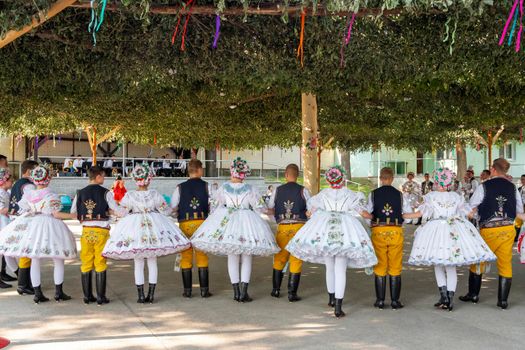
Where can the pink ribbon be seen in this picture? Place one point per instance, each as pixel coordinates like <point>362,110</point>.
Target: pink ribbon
<point>518,39</point>
<point>346,40</point>
<point>507,24</point>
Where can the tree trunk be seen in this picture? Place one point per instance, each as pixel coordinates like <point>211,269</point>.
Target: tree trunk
<point>490,142</point>
<point>345,162</point>
<point>309,133</point>
<point>461,160</point>
<point>211,162</point>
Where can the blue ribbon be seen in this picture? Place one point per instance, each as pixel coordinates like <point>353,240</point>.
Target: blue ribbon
<point>96,19</point>
<point>513,28</point>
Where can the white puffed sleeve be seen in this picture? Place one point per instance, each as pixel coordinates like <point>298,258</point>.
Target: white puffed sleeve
<point>160,204</point>
<point>316,202</point>
<point>23,204</point>
<point>218,199</point>
<point>464,208</point>
<point>359,204</point>
<point>256,201</point>
<point>426,208</point>
<point>125,205</point>
<point>53,204</point>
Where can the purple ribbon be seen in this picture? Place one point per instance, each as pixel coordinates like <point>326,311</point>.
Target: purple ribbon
<point>346,40</point>
<point>217,31</point>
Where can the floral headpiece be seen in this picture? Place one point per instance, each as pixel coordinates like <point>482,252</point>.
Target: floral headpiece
<point>142,174</point>
<point>40,175</point>
<point>5,175</point>
<point>443,177</point>
<point>335,176</point>
<point>239,169</point>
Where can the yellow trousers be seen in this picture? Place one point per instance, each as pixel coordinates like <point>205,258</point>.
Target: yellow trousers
<point>518,223</point>
<point>388,244</point>
<point>92,244</point>
<point>500,240</point>
<point>24,263</point>
<point>189,227</point>
<point>285,232</point>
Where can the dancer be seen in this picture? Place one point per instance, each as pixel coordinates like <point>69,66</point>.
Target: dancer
<point>448,240</point>
<point>288,205</point>
<point>235,229</point>
<point>21,186</point>
<point>146,233</point>
<point>385,210</point>
<point>92,206</point>
<point>39,233</point>
<point>497,203</point>
<point>6,182</point>
<point>411,192</point>
<point>190,202</point>
<point>335,236</point>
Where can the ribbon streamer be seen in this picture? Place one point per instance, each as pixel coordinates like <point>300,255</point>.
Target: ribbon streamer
<point>217,31</point>
<point>300,48</point>
<point>520,30</point>
<point>507,23</point>
<point>185,27</point>
<point>513,28</point>
<point>96,19</point>
<point>346,40</point>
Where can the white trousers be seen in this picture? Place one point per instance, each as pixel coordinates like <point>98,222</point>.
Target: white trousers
<point>336,275</point>
<point>153,271</point>
<point>446,276</point>
<point>233,268</point>
<point>58,274</point>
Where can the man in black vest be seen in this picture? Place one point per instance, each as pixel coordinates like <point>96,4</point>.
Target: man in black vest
<point>498,203</point>
<point>288,205</point>
<point>92,206</point>
<point>17,191</point>
<point>385,210</point>
<point>190,201</point>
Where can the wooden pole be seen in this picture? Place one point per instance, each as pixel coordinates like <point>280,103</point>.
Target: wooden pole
<point>461,159</point>
<point>309,132</point>
<point>94,147</point>
<point>37,20</point>
<point>490,142</point>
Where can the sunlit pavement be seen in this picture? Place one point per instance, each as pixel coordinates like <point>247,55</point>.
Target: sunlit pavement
<point>174,322</point>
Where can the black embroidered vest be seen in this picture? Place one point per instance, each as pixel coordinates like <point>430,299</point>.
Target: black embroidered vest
<point>498,207</point>
<point>388,206</point>
<point>194,200</point>
<point>290,203</point>
<point>92,204</point>
<point>16,195</point>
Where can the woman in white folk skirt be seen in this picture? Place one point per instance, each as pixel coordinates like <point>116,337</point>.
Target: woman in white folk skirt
<point>6,182</point>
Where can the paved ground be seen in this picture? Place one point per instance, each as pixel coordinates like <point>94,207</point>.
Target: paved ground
<point>174,322</point>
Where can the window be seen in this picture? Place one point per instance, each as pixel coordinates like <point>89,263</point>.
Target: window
<point>508,151</point>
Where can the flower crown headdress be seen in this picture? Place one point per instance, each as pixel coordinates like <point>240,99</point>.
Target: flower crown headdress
<point>41,176</point>
<point>335,176</point>
<point>239,168</point>
<point>142,174</point>
<point>443,177</point>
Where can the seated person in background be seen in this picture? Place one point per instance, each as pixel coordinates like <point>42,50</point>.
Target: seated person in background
<point>166,166</point>
<point>69,164</point>
<point>77,164</point>
<point>180,166</point>
<point>108,166</point>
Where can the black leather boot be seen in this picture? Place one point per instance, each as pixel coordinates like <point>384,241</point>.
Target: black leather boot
<point>87,287</point>
<point>59,294</point>
<point>395,292</point>
<point>503,292</point>
<point>186,282</point>
<point>3,274</point>
<point>101,288</point>
<point>204,282</point>
<point>338,311</point>
<point>244,297</point>
<point>140,292</point>
<point>151,293</point>
<point>380,284</point>
<point>24,282</point>
<point>331,299</point>
<point>474,286</point>
<point>293,285</point>
<point>277,280</point>
<point>4,285</point>
<point>39,296</point>
<point>236,292</point>
<point>450,305</point>
<point>443,301</point>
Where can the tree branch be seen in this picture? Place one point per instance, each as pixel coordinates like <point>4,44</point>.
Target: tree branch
<point>498,134</point>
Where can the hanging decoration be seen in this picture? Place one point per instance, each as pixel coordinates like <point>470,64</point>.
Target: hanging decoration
<point>54,141</point>
<point>96,18</point>
<point>515,17</point>
<point>300,48</point>
<point>346,39</point>
<point>155,139</point>
<point>185,27</point>
<point>217,31</point>
<point>451,37</point>
<point>521,135</point>
<point>18,140</point>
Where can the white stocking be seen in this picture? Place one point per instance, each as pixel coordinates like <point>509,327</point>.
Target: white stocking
<point>11,263</point>
<point>35,272</point>
<point>330,273</point>
<point>233,268</point>
<point>139,271</point>
<point>58,273</point>
<point>441,277</point>
<point>340,276</point>
<point>152,270</point>
<point>452,278</point>
<point>246,268</point>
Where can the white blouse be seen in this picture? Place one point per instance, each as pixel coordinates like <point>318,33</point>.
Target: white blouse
<point>338,200</point>
<point>145,202</point>
<point>444,205</point>
<point>42,201</point>
<point>237,196</point>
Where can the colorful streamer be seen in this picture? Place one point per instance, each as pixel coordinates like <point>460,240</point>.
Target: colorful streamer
<point>346,40</point>
<point>300,49</point>
<point>96,18</point>
<point>185,27</point>
<point>217,31</point>
<point>513,17</point>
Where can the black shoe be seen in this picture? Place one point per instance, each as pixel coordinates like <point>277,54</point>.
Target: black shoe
<point>3,274</point>
<point>87,287</point>
<point>380,284</point>
<point>59,293</point>
<point>331,299</point>
<point>186,282</point>
<point>503,292</point>
<point>39,296</point>
<point>443,301</point>
<point>395,292</point>
<point>204,282</point>
<point>450,305</point>
<point>277,280</point>
<point>4,285</point>
<point>236,292</point>
<point>293,285</point>
<point>100,278</point>
<point>244,297</point>
<point>140,291</point>
<point>474,287</point>
<point>24,282</point>
<point>338,311</point>
<point>151,293</point>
